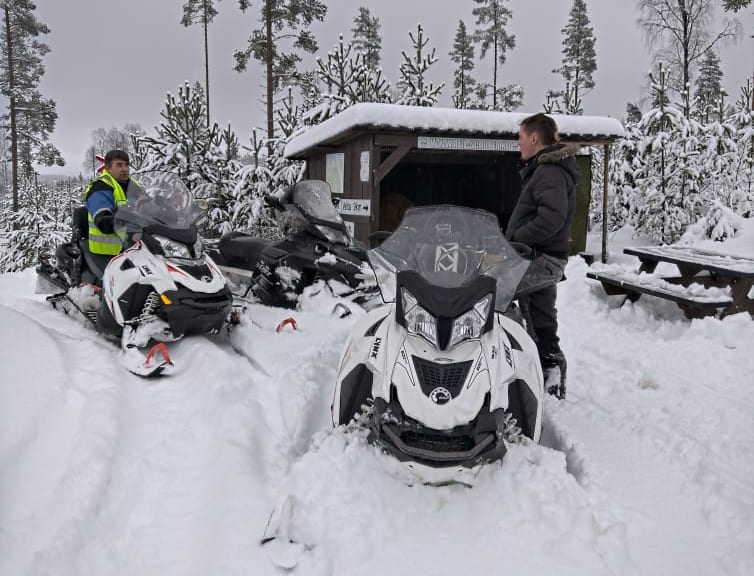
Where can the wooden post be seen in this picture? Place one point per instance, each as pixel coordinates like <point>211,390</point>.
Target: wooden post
<point>605,161</point>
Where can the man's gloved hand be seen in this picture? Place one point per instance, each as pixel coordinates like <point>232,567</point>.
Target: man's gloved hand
<point>104,219</point>
<point>524,250</point>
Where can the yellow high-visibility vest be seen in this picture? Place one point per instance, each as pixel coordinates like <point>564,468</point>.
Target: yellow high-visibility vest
<point>99,242</point>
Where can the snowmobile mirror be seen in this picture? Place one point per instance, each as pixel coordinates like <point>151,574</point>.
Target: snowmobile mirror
<point>273,202</point>
<point>377,238</point>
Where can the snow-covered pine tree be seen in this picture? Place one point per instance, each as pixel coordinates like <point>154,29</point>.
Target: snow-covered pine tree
<point>203,156</point>
<point>348,80</point>
<point>283,23</point>
<point>463,55</point>
<point>579,59</point>
<point>269,172</point>
<point>719,155</point>
<point>311,91</point>
<point>742,196</point>
<point>416,89</point>
<point>668,183</point>
<point>709,90</point>
<point>492,16</point>
<point>30,117</point>
<point>184,143</point>
<point>41,223</point>
<point>621,173</point>
<point>223,213</point>
<point>366,37</point>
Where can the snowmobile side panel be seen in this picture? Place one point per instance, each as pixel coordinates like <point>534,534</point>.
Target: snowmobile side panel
<point>354,392</point>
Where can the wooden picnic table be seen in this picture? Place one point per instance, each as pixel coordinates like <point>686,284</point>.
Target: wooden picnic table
<point>707,282</point>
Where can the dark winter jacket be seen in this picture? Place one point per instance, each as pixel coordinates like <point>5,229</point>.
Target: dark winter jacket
<point>544,213</point>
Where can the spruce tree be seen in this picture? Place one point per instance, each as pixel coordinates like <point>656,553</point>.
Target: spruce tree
<point>366,37</point>
<point>416,90</point>
<point>492,16</point>
<point>31,118</point>
<point>709,92</point>
<point>201,11</point>
<point>669,179</point>
<point>283,23</point>
<point>463,56</point>
<point>579,59</point>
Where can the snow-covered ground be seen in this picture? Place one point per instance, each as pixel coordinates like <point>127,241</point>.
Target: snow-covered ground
<point>646,469</point>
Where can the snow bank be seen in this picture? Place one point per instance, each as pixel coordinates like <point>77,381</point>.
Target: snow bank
<point>646,469</point>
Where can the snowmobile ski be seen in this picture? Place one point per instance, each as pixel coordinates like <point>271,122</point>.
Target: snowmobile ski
<point>282,551</point>
<point>154,363</point>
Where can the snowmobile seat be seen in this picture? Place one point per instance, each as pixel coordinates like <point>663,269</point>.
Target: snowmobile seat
<point>80,223</point>
<point>94,264</point>
<point>242,250</point>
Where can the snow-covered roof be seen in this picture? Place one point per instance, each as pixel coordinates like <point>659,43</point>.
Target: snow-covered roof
<point>449,120</point>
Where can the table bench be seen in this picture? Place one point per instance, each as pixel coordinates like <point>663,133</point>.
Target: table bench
<point>708,282</point>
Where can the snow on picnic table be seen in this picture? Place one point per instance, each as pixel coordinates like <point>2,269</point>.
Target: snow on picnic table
<point>647,468</point>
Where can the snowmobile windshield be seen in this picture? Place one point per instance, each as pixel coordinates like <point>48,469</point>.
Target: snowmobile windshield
<point>158,198</point>
<point>314,199</point>
<point>449,246</point>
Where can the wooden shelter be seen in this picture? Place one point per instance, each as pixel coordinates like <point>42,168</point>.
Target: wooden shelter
<point>382,158</point>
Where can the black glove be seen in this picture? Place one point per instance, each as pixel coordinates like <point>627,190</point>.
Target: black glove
<point>104,219</point>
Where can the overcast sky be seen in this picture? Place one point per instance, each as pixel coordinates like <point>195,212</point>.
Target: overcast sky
<point>113,61</point>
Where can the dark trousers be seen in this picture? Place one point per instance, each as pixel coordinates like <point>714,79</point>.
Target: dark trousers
<point>538,309</point>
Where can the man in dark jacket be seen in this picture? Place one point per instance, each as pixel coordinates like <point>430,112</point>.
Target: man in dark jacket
<point>542,220</point>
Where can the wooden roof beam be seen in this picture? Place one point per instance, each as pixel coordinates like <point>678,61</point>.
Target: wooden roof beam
<point>395,156</point>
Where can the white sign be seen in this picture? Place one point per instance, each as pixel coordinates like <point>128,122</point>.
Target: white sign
<point>355,206</point>
<point>334,168</point>
<point>476,144</point>
<point>364,171</point>
<point>349,227</point>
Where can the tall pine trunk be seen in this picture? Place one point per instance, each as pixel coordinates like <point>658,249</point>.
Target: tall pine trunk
<point>686,64</point>
<point>12,109</point>
<point>494,69</point>
<point>268,21</point>
<point>206,59</point>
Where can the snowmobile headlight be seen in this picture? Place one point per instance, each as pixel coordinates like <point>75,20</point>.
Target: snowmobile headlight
<point>470,324</point>
<point>418,320</point>
<point>173,249</point>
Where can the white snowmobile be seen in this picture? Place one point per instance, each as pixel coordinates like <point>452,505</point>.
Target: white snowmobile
<point>445,374</point>
<point>160,288</point>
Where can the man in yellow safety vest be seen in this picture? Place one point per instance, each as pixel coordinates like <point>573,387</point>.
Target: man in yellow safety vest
<point>102,196</point>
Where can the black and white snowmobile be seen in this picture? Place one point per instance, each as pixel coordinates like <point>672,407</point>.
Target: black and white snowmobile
<point>316,247</point>
<point>162,287</point>
<point>445,374</point>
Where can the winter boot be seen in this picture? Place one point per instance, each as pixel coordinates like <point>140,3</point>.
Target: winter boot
<point>554,368</point>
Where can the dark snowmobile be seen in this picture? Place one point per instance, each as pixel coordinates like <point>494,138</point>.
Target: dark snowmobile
<point>159,289</point>
<point>316,247</point>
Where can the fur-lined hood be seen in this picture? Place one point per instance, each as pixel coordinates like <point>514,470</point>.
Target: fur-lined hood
<point>558,152</point>
<point>562,154</point>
